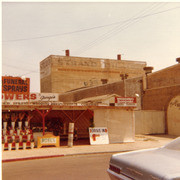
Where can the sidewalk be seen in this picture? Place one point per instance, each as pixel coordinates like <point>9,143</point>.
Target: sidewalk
<point>141,142</point>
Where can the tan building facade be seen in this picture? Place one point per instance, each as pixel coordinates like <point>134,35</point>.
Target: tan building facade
<point>59,74</point>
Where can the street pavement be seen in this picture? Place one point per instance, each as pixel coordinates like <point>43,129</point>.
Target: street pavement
<point>141,142</point>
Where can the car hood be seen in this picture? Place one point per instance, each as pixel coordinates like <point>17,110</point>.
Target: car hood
<point>149,164</point>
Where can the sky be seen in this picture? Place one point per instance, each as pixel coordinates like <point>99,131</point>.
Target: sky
<point>139,31</point>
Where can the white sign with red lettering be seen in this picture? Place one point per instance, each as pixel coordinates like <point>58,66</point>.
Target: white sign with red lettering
<point>32,97</point>
<point>125,101</point>
<point>98,135</point>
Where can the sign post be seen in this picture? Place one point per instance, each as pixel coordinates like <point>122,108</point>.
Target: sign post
<point>70,134</point>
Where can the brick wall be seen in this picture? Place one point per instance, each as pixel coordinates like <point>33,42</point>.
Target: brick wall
<point>133,86</point>
<point>162,87</point>
<point>167,77</point>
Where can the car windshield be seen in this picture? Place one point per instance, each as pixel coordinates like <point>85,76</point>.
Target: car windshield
<point>174,145</point>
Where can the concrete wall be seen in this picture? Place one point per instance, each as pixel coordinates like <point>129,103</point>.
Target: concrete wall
<point>173,116</point>
<point>69,73</point>
<point>120,124</point>
<point>149,122</point>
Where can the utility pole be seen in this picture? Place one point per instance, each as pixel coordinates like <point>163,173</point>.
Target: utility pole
<point>123,77</point>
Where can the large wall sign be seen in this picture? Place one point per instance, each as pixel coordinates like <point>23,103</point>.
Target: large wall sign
<point>15,85</point>
<point>20,99</point>
<point>98,135</point>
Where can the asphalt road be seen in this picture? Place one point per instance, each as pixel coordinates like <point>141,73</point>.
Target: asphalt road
<point>85,167</point>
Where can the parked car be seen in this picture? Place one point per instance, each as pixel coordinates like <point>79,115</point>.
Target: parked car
<point>152,164</point>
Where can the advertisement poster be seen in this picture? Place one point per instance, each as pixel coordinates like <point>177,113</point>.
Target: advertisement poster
<point>98,135</point>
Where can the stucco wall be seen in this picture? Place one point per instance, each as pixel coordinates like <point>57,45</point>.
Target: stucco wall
<point>120,124</point>
<point>149,122</point>
<point>173,116</point>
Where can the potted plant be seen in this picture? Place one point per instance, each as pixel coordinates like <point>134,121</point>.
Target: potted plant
<point>21,116</point>
<point>17,144</point>
<point>32,143</point>
<point>10,144</point>
<point>24,144</point>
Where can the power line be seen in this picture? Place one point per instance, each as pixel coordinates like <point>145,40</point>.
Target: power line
<point>102,38</point>
<point>68,33</point>
<point>114,29</point>
<point>16,67</point>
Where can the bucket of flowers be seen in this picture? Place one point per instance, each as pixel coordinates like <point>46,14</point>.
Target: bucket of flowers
<point>10,144</point>
<point>32,143</point>
<point>17,144</point>
<point>24,144</point>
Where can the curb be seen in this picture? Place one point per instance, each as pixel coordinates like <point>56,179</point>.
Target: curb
<point>61,155</point>
<point>31,158</point>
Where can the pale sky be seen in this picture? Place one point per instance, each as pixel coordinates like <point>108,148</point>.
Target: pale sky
<point>140,31</point>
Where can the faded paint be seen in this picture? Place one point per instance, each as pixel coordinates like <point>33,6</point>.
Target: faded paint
<point>173,116</point>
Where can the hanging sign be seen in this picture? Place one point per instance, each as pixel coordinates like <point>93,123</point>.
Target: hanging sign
<point>125,101</point>
<point>98,135</point>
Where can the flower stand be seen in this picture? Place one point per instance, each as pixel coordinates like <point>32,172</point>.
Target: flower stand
<point>4,132</point>
<point>18,132</point>
<point>20,124</point>
<point>11,132</point>
<point>28,137</point>
<point>13,124</point>
<point>26,124</point>
<point>20,138</point>
<point>32,145</point>
<point>13,138</point>
<point>5,125</point>
<point>3,147</point>
<point>5,138</point>
<point>24,145</point>
<point>17,146</point>
<point>9,146</point>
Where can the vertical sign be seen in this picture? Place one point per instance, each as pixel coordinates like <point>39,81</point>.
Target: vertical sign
<point>98,135</point>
